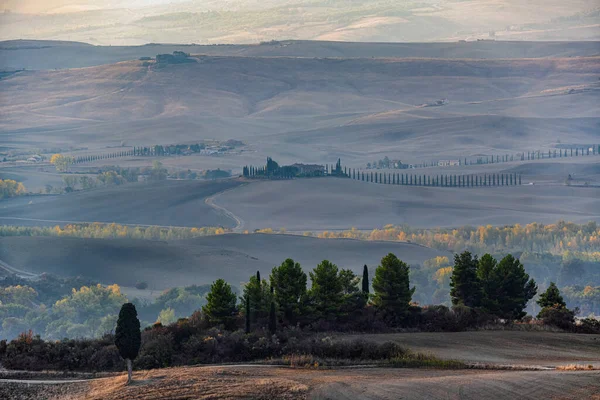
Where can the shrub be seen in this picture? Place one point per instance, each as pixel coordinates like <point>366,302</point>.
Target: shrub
<point>588,325</point>
<point>558,316</point>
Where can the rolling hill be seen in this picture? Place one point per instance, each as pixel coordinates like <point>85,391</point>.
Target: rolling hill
<point>196,261</point>
<point>310,109</point>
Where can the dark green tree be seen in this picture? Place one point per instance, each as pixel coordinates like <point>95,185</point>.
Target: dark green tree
<point>465,286</point>
<point>248,312</point>
<point>511,288</point>
<point>289,285</point>
<point>485,274</point>
<point>326,290</point>
<point>272,319</point>
<point>220,305</point>
<point>551,297</point>
<point>128,337</point>
<point>391,287</point>
<point>365,280</point>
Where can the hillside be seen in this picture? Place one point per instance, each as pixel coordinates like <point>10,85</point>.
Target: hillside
<point>197,261</point>
<point>319,109</point>
<point>329,204</point>
<point>49,54</point>
<point>168,203</point>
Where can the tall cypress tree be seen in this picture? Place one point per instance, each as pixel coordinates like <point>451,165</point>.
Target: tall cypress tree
<point>365,280</point>
<point>128,337</point>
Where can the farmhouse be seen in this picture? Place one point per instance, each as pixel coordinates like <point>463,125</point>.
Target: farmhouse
<point>448,163</point>
<point>309,169</point>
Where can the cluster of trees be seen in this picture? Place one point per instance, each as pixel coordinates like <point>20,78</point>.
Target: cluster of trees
<point>88,312</point>
<point>272,170</point>
<point>53,308</point>
<point>563,238</point>
<point>502,289</point>
<point>111,231</point>
<point>389,178</point>
<point>10,188</point>
<point>337,296</point>
<point>173,149</point>
<point>61,162</point>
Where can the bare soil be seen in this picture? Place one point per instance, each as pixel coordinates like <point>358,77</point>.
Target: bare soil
<point>372,383</point>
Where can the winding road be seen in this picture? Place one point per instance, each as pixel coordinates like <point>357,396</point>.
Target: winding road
<point>210,201</point>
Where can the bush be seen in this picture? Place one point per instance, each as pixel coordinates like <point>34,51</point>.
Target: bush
<point>588,325</point>
<point>141,285</point>
<point>558,316</point>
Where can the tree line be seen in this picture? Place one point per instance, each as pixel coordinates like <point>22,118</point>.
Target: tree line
<point>11,188</point>
<point>440,180</point>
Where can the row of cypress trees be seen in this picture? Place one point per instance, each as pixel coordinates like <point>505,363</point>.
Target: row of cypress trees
<point>95,157</point>
<point>396,178</point>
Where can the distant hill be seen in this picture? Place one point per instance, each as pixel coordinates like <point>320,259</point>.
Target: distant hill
<point>48,54</point>
<point>360,109</point>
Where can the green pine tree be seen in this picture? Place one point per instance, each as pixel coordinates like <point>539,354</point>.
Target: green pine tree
<point>289,285</point>
<point>220,305</point>
<point>391,287</point>
<point>465,286</point>
<point>326,289</point>
<point>551,297</point>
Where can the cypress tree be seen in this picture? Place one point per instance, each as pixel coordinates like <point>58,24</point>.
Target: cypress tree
<point>365,280</point>
<point>128,337</point>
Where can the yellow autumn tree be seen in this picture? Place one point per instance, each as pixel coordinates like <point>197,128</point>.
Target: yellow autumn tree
<point>61,162</point>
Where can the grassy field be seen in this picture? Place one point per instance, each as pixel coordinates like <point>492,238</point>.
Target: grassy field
<point>197,261</point>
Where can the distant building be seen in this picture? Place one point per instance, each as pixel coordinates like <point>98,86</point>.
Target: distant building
<point>448,163</point>
<point>309,169</point>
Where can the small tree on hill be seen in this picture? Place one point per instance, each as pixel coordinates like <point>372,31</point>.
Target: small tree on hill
<point>221,304</point>
<point>128,337</point>
<point>391,287</point>
<point>465,286</point>
<point>551,297</point>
